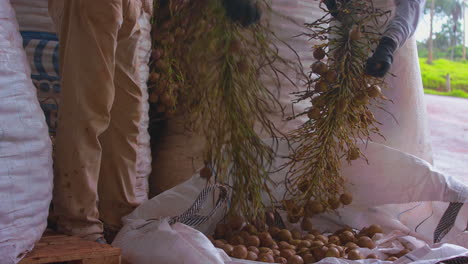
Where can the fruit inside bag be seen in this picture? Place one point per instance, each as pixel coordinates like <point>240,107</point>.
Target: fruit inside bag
<point>395,190</point>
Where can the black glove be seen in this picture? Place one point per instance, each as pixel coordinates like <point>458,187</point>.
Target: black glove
<point>242,11</point>
<point>379,64</point>
<point>331,6</point>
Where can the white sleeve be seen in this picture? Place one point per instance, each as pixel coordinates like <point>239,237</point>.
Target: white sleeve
<point>406,19</point>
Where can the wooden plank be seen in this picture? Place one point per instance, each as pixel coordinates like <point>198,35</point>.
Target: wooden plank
<point>59,248</point>
<point>105,260</point>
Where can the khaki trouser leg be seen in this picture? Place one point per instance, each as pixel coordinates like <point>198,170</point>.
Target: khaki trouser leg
<point>88,42</point>
<point>119,161</point>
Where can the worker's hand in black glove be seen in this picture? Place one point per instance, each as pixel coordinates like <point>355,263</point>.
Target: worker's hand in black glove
<point>243,12</point>
<point>331,6</point>
<point>380,62</point>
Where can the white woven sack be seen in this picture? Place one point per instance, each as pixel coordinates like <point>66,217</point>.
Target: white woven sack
<point>431,215</point>
<point>25,148</point>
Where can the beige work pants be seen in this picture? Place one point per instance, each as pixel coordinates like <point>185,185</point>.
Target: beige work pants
<point>100,109</point>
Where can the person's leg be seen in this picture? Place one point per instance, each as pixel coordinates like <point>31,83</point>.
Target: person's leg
<point>88,40</point>
<point>120,142</point>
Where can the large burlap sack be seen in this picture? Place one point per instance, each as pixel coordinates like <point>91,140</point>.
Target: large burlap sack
<point>25,148</point>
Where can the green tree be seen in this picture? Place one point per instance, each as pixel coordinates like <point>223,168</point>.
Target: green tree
<point>449,10</point>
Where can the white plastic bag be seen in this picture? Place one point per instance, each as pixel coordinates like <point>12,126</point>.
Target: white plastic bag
<point>390,191</point>
<point>25,148</point>
<point>167,240</point>
<point>155,241</point>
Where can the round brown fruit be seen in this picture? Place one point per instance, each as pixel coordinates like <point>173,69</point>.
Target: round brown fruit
<point>252,256</point>
<point>266,258</point>
<point>320,253</point>
<point>218,243</point>
<point>354,254</point>
<point>334,240</point>
<point>274,245</point>
<point>321,86</point>
<point>314,113</point>
<point>315,232</point>
<point>253,249</point>
<point>315,207</point>
<point>236,222</point>
<point>318,102</point>
<point>362,99</point>
<point>309,258</point>
<point>285,235</point>
<point>252,241</point>
<point>265,250</point>
<point>296,234</point>
<point>332,252</point>
<point>366,242</point>
<point>374,91</point>
<point>353,154</point>
<point>284,245</point>
<point>240,252</point>
<point>319,53</point>
<point>295,242</point>
<point>347,236</point>
<point>295,260</point>
<point>319,67</point>
<point>302,251</point>
<point>228,249</point>
<point>322,238</point>
<point>309,237</point>
<point>280,260</point>
<point>350,246</point>
<point>244,235</point>
<point>286,253</point>
<point>276,252</point>
<point>317,244</point>
<point>251,229</point>
<point>305,244</point>
<point>236,240</point>
<point>346,198</point>
<point>274,231</point>
<point>374,229</point>
<point>372,256</point>
<point>341,250</point>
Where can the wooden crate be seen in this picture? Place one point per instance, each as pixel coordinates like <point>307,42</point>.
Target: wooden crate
<point>57,248</point>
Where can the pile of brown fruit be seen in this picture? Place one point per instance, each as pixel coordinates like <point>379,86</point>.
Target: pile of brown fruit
<point>243,240</point>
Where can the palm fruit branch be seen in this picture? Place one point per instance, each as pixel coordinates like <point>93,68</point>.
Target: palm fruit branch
<point>340,118</point>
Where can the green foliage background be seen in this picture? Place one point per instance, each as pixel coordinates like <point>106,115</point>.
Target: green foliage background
<point>433,76</point>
